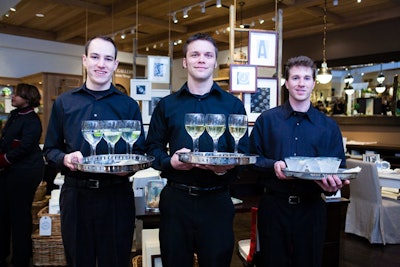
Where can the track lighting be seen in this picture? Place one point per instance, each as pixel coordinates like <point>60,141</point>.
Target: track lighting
<point>218,4</point>
<point>174,19</point>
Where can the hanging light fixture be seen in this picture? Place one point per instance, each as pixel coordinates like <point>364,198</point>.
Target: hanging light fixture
<point>381,78</point>
<point>349,79</point>
<point>380,88</point>
<point>218,4</point>
<point>324,75</point>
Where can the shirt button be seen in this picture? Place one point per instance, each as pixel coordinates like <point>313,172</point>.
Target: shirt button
<point>296,138</point>
<point>298,123</point>
<point>95,115</point>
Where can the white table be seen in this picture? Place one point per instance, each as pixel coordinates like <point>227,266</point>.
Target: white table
<point>389,179</point>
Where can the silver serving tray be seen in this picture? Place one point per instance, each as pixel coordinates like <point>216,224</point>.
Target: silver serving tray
<point>115,163</point>
<point>319,175</point>
<point>216,158</point>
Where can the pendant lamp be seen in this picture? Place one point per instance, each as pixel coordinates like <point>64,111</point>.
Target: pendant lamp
<point>324,75</point>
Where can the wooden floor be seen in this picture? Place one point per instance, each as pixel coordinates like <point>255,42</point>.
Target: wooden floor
<point>354,252</point>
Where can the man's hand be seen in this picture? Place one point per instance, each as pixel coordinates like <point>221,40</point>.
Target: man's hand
<point>179,165</point>
<point>278,166</point>
<point>332,183</point>
<point>71,159</point>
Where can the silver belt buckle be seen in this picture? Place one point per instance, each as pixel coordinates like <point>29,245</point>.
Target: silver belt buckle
<point>192,193</point>
<point>294,200</point>
<point>94,184</point>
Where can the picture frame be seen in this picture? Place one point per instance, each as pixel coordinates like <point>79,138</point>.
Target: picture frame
<point>140,89</point>
<point>156,261</point>
<point>242,78</point>
<point>158,69</point>
<point>148,106</point>
<point>262,48</point>
<point>266,97</point>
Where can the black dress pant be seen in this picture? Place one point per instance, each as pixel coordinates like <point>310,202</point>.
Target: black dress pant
<point>17,189</point>
<point>291,235</point>
<point>97,225</point>
<point>200,224</point>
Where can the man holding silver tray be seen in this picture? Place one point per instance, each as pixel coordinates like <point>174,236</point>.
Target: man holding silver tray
<point>97,209</point>
<point>196,195</point>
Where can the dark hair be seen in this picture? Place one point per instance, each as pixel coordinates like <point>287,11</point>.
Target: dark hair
<point>28,92</point>
<point>105,38</point>
<point>300,61</point>
<point>200,36</point>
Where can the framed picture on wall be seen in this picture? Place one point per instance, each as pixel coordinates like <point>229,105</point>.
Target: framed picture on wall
<point>140,89</point>
<point>149,106</point>
<point>262,48</point>
<point>243,78</point>
<point>158,69</point>
<point>266,97</point>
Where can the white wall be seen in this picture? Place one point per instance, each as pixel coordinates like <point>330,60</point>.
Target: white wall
<point>21,56</point>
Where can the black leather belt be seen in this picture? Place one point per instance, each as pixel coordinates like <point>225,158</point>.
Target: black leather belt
<point>293,199</point>
<point>94,183</point>
<point>196,190</point>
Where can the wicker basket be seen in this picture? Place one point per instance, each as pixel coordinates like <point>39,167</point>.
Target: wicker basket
<point>48,251</point>
<point>40,191</point>
<point>36,207</point>
<point>137,261</point>
<point>55,221</point>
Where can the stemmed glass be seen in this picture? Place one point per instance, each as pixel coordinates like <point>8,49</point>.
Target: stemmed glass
<point>194,125</point>
<point>111,133</point>
<point>92,132</point>
<point>237,127</point>
<point>215,126</point>
<point>130,130</point>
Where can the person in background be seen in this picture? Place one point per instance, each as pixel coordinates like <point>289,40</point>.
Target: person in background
<point>196,211</point>
<point>292,214</point>
<point>22,168</point>
<point>97,209</point>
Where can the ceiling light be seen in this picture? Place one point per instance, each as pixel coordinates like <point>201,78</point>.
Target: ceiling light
<point>174,19</point>
<point>380,88</point>
<point>123,36</point>
<point>261,21</point>
<point>324,75</point>
<point>39,15</point>
<point>218,4</point>
<point>185,13</point>
<point>12,9</point>
<point>203,7</point>
<point>349,90</point>
<point>349,79</point>
<point>381,78</point>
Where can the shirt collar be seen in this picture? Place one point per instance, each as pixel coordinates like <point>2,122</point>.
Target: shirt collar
<point>215,89</point>
<point>311,113</point>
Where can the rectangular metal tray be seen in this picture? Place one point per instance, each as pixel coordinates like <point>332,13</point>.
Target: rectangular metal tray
<point>115,163</point>
<point>319,175</point>
<point>217,158</point>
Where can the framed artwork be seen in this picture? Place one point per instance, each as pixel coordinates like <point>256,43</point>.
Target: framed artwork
<point>149,106</point>
<point>243,78</point>
<point>140,89</point>
<point>156,261</point>
<point>158,69</point>
<point>266,97</point>
<point>262,48</point>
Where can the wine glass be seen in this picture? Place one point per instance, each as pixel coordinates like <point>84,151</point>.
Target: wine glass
<point>92,132</point>
<point>237,127</point>
<point>194,125</point>
<point>130,130</point>
<point>215,126</point>
<point>111,133</point>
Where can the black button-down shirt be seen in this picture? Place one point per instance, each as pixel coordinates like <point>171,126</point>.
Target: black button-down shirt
<point>282,132</point>
<point>167,129</point>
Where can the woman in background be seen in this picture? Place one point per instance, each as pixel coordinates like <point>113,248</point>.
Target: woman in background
<point>22,167</point>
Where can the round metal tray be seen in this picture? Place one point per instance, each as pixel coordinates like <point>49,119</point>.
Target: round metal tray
<point>319,175</point>
<point>115,163</point>
<point>216,158</point>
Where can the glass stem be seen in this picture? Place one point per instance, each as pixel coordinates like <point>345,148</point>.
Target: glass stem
<point>196,145</point>
<point>93,150</point>
<point>215,145</point>
<point>236,145</point>
<point>130,148</point>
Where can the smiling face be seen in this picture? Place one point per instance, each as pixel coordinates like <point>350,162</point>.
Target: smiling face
<point>200,60</point>
<point>100,64</point>
<point>300,84</point>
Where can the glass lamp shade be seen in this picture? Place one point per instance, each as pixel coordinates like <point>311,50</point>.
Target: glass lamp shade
<point>381,78</point>
<point>324,75</point>
<point>349,91</point>
<point>349,79</point>
<point>380,88</point>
